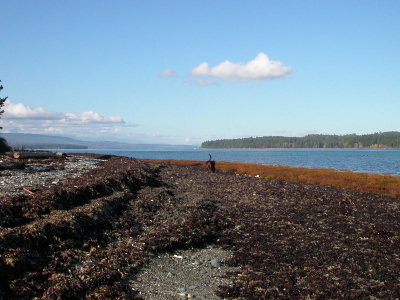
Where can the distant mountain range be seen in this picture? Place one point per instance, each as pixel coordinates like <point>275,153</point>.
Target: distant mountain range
<point>41,141</point>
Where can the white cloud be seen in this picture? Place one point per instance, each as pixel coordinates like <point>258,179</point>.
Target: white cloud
<point>19,117</point>
<point>22,111</point>
<point>13,111</point>
<point>91,117</point>
<point>53,130</point>
<point>259,69</point>
<point>169,72</point>
<point>89,125</point>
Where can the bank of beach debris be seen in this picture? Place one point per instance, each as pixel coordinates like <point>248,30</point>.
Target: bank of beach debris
<point>92,234</point>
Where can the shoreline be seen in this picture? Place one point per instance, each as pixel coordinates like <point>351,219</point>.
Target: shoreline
<point>384,184</point>
<point>90,236</point>
<point>360,161</point>
<point>360,148</point>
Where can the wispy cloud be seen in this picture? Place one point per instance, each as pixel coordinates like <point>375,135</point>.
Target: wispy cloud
<point>203,82</point>
<point>259,69</point>
<point>283,132</point>
<point>168,73</point>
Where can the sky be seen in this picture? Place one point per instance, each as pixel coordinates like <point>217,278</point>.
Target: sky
<point>184,72</point>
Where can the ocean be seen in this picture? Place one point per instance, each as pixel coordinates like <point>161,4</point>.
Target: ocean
<point>381,161</point>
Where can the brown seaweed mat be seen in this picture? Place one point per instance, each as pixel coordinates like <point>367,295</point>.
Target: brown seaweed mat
<point>88,238</point>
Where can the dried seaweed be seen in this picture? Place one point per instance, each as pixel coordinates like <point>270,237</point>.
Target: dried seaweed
<point>85,239</point>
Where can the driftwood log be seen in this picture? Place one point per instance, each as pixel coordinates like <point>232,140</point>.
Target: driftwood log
<point>18,155</point>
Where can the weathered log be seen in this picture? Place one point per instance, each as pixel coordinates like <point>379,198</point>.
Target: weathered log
<point>37,154</point>
<point>12,166</point>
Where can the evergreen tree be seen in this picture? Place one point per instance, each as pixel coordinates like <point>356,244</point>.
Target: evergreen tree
<point>3,143</point>
<point>2,101</point>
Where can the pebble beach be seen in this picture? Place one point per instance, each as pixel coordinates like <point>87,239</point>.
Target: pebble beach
<point>106,227</point>
<point>38,174</point>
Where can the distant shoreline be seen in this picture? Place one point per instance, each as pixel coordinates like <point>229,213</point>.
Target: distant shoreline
<point>362,148</point>
<point>376,140</point>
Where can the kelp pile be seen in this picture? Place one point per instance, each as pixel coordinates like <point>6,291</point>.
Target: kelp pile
<point>88,238</point>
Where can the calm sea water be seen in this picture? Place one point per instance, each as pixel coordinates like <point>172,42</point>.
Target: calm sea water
<point>363,160</point>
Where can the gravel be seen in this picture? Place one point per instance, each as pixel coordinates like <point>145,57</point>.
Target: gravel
<point>35,174</point>
<point>184,274</point>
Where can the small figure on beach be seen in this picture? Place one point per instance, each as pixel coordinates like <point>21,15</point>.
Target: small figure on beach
<point>210,164</point>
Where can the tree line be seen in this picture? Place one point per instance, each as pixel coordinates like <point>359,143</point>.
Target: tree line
<point>317,141</point>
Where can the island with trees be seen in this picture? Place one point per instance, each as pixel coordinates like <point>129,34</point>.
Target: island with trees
<point>314,141</point>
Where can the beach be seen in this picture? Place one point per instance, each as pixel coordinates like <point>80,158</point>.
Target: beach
<point>89,226</point>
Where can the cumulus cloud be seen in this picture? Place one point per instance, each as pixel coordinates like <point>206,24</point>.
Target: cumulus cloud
<point>88,125</point>
<point>19,117</point>
<point>259,69</point>
<point>22,111</point>
<point>91,117</point>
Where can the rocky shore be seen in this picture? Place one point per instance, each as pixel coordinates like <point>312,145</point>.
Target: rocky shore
<point>106,227</point>
<point>18,176</point>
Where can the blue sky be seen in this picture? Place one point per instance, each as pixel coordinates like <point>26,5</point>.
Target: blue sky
<point>183,72</point>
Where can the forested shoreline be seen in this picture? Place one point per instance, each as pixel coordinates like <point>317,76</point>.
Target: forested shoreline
<point>315,141</point>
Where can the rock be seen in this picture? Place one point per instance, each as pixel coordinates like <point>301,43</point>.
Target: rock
<point>215,263</point>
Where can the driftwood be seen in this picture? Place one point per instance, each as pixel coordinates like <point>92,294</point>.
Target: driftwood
<point>18,155</point>
<point>28,191</point>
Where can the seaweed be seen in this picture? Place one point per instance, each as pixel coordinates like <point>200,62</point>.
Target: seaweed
<point>88,238</point>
